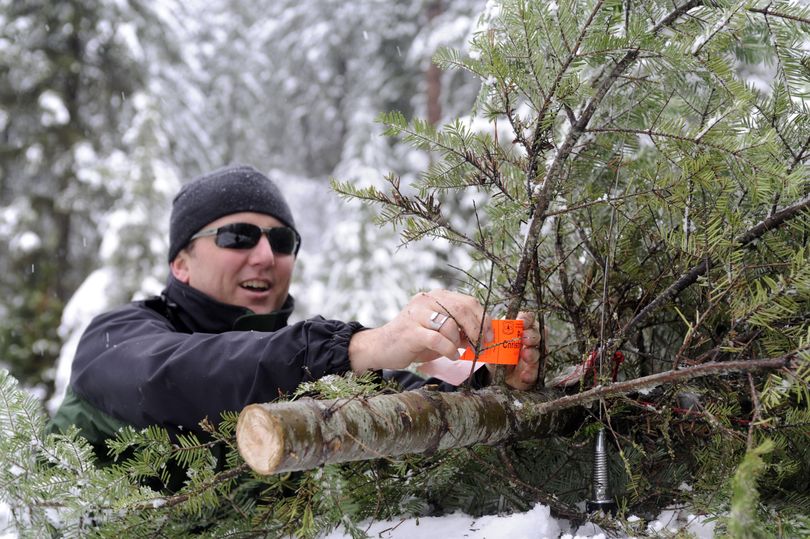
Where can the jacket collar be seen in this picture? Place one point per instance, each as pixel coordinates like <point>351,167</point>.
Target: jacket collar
<point>199,312</point>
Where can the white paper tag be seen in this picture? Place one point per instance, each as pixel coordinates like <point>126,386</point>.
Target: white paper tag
<point>452,372</point>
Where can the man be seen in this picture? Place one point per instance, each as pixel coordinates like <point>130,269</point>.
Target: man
<point>217,338</point>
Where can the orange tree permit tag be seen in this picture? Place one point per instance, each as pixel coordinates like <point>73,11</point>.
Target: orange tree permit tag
<point>505,348</point>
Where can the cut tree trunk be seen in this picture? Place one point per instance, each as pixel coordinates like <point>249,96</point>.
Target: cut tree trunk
<point>304,434</point>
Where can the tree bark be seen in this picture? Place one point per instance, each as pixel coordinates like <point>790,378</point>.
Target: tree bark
<point>304,434</point>
<point>433,76</point>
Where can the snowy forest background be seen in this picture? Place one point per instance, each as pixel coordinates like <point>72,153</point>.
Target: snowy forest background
<point>107,107</point>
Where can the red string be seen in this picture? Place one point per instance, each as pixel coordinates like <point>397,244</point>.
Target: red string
<point>590,364</point>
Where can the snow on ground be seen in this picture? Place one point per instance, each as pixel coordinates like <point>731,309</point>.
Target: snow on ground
<point>536,523</point>
<point>5,517</point>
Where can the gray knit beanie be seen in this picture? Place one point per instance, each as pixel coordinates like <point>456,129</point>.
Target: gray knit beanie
<point>228,190</point>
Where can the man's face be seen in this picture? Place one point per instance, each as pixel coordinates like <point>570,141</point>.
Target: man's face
<point>256,278</point>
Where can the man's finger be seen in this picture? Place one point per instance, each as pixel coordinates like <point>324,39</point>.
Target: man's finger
<point>531,338</point>
<point>464,310</point>
<point>528,318</point>
<point>530,356</point>
<point>435,345</point>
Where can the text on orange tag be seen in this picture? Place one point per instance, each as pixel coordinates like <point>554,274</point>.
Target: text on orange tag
<point>504,349</point>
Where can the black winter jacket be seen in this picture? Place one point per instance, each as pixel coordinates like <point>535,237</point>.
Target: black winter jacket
<point>179,358</point>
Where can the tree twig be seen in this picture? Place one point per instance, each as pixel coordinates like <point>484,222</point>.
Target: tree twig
<point>667,377</point>
<point>171,501</point>
<point>767,12</point>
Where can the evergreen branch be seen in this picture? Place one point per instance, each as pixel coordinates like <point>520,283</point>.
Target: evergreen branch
<point>427,209</point>
<point>531,61</point>
<point>541,114</point>
<point>774,221</point>
<point>172,501</point>
<point>534,150</point>
<point>780,68</point>
<point>650,133</point>
<point>757,414</point>
<point>797,158</point>
<point>542,192</point>
<point>605,265</point>
<point>693,330</point>
<point>611,201</point>
<point>541,324</point>
<point>543,497</point>
<point>801,155</point>
<point>716,30</point>
<point>768,13</point>
<point>560,27</point>
<point>445,61</point>
<point>569,303</point>
<point>453,234</point>
<point>464,156</point>
<point>690,277</point>
<point>772,120</point>
<point>603,52</point>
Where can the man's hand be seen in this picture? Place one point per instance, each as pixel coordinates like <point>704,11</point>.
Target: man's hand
<point>432,324</point>
<point>524,375</point>
<point>435,324</point>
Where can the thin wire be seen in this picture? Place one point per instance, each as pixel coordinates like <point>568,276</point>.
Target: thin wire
<point>606,272</point>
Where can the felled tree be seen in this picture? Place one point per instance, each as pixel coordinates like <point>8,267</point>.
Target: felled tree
<point>637,174</point>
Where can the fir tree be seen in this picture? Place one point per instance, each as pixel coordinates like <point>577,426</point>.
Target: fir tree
<point>642,185</point>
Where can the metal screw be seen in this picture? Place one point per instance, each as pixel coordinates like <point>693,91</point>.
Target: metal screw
<point>601,500</point>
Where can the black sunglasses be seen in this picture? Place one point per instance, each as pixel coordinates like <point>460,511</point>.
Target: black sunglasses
<point>283,240</point>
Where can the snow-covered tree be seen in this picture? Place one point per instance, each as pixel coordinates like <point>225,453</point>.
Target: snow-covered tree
<point>68,70</point>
